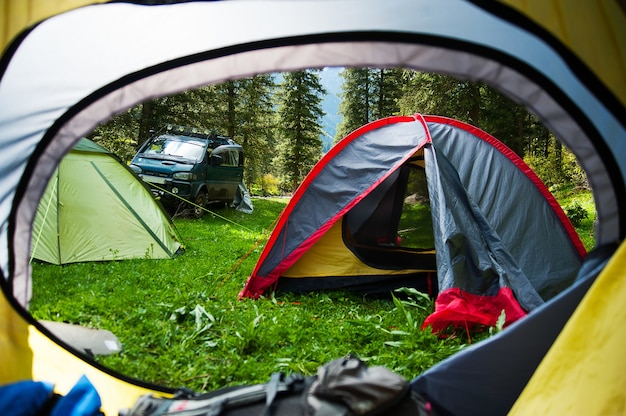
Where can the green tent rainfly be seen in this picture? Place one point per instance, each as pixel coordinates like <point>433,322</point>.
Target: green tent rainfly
<point>95,208</point>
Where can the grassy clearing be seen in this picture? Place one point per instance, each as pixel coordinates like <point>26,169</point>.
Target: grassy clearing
<point>181,324</point>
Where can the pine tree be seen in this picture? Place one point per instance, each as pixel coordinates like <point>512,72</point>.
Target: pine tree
<point>367,95</point>
<point>254,128</point>
<point>356,98</point>
<point>387,89</point>
<point>241,109</point>
<point>299,127</point>
<point>472,102</point>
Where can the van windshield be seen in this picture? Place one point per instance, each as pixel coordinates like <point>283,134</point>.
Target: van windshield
<point>176,147</point>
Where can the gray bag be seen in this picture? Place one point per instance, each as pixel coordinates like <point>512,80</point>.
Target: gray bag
<point>349,387</point>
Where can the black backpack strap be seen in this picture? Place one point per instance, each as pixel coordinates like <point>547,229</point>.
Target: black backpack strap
<point>221,401</point>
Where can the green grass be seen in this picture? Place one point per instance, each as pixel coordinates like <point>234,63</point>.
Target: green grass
<point>416,226</point>
<point>181,324</point>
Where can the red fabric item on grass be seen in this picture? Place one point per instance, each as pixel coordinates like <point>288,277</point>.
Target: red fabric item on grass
<point>465,310</point>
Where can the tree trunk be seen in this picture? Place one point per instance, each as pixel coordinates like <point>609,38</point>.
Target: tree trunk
<point>474,111</point>
<point>145,122</point>
<point>366,110</point>
<point>558,159</point>
<point>231,109</point>
<point>381,93</point>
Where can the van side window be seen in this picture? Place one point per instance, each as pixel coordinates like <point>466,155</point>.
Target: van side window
<point>230,158</point>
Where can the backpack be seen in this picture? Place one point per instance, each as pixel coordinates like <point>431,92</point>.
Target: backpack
<point>343,387</point>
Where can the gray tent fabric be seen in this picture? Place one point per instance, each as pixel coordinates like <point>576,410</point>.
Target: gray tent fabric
<point>470,254</point>
<point>242,201</point>
<point>549,264</point>
<point>358,216</point>
<point>91,341</point>
<point>504,363</point>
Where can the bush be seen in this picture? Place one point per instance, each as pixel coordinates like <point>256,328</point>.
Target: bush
<point>573,172</point>
<point>576,213</point>
<point>555,172</point>
<point>266,186</point>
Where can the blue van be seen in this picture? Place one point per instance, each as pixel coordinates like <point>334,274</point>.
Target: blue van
<point>188,164</point>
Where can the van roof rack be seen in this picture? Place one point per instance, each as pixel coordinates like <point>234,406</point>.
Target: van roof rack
<point>200,133</point>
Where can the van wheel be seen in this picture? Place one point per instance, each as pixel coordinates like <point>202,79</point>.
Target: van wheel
<point>201,201</point>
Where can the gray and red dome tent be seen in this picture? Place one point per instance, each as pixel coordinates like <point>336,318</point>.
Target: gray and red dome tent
<point>501,241</point>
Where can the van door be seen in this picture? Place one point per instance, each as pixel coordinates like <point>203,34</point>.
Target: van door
<point>225,173</point>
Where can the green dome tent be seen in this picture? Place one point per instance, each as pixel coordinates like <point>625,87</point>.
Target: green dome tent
<point>95,208</point>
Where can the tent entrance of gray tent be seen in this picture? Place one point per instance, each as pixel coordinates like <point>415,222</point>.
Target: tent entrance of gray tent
<point>391,228</point>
